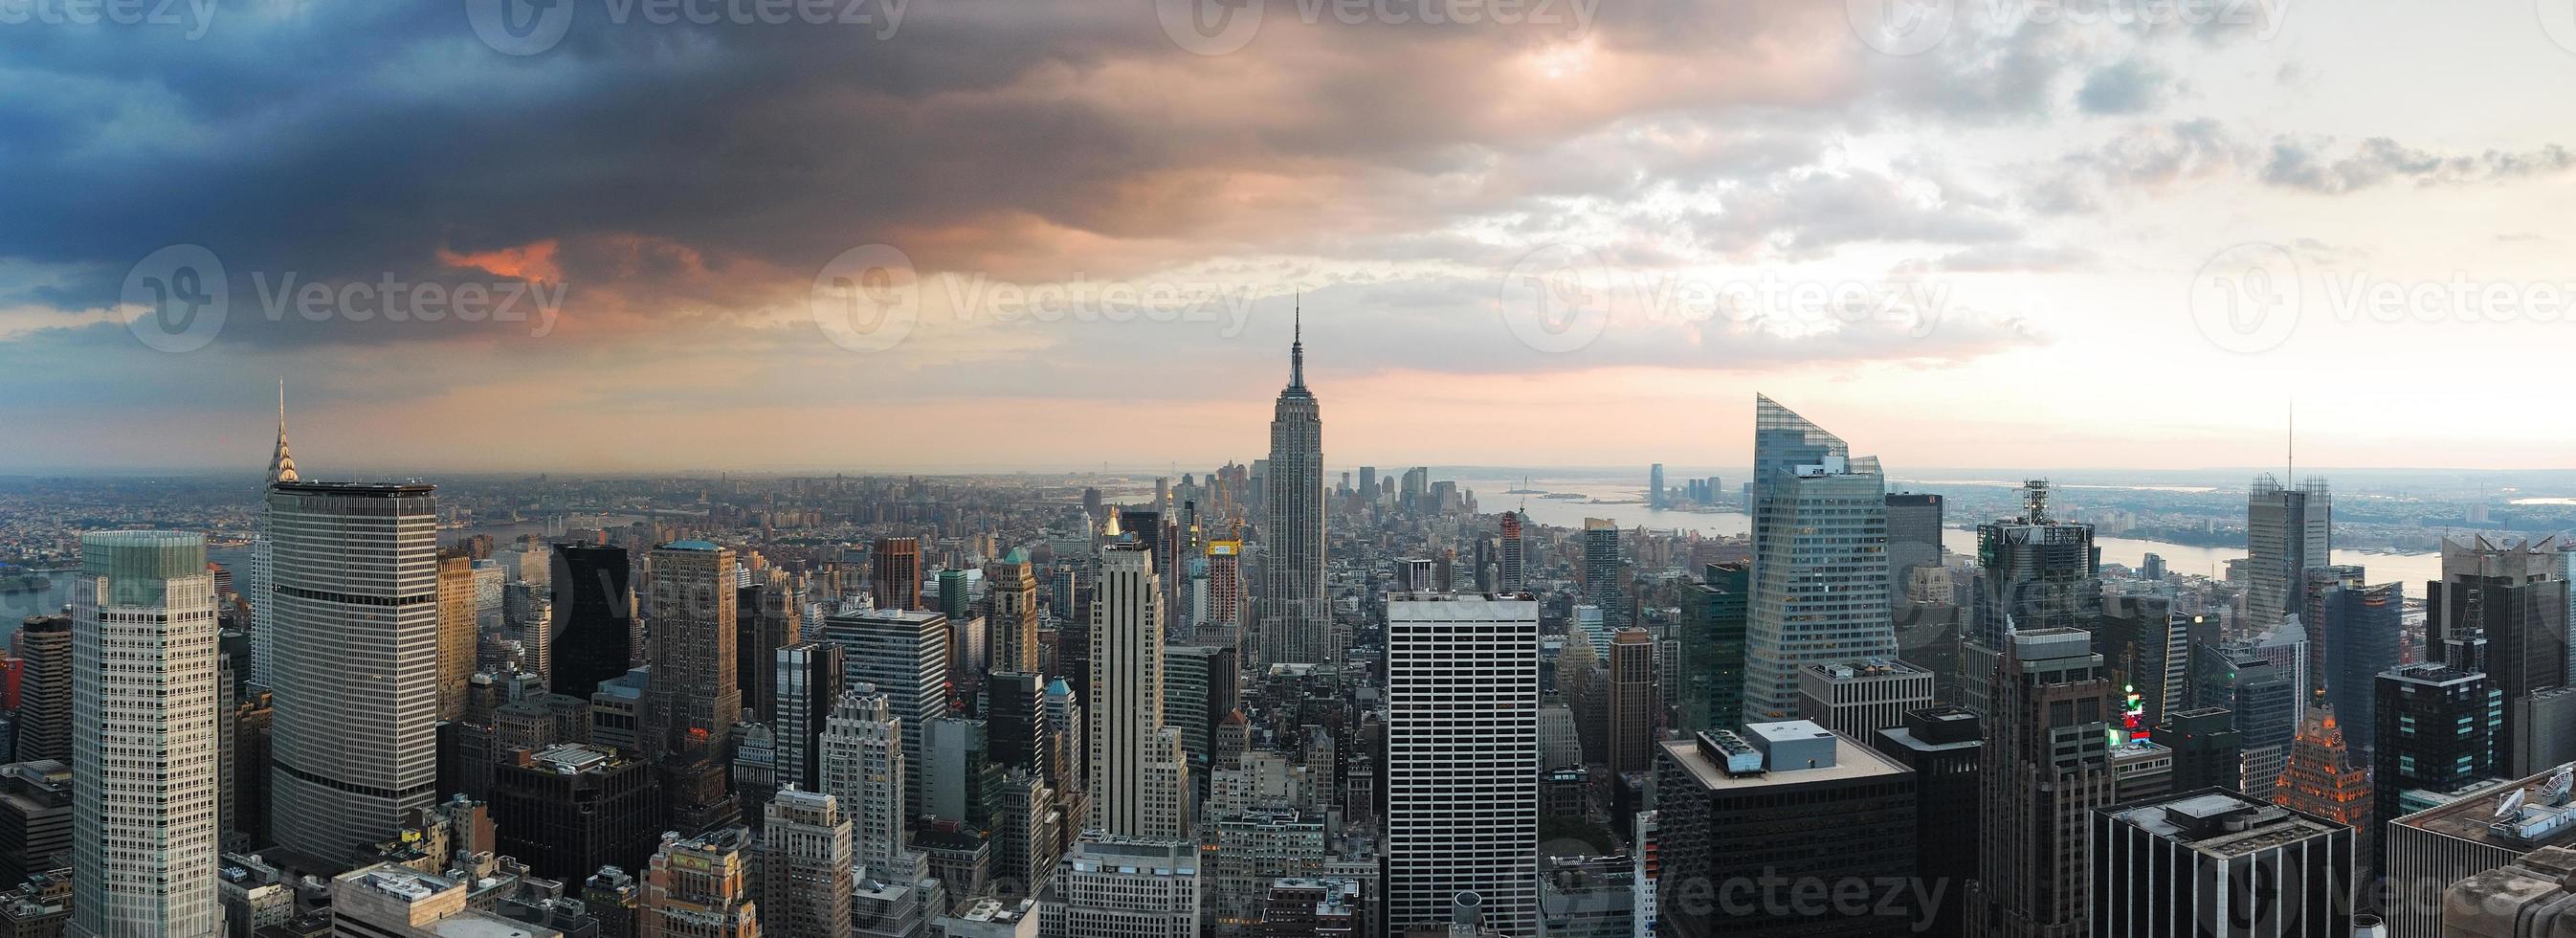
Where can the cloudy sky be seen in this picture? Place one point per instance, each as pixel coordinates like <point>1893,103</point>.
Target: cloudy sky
<point>852,234</point>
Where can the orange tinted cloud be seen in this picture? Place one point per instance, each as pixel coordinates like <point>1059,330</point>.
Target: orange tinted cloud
<point>534,260</point>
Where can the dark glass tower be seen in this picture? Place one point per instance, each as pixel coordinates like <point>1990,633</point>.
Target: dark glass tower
<point>594,629</point>
<point>1711,695</point>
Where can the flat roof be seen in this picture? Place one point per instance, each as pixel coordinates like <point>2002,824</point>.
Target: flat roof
<point>1851,761</point>
<point>2468,816</point>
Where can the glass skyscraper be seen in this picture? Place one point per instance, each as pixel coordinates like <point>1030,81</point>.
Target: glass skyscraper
<point>1819,581</point>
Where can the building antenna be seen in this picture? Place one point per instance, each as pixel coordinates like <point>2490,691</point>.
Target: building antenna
<point>2290,445</point>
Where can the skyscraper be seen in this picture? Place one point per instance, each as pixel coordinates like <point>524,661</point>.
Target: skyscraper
<point>1633,702</point>
<point>1011,614</point>
<point>2322,779</point>
<point>2034,572</point>
<point>44,715</point>
<point>2437,734</point>
<point>1913,538</point>
<point>894,573</point>
<point>1138,782</point>
<point>594,610</point>
<point>2286,531</point>
<point>2510,591</point>
<point>1819,582</point>
<point>695,698</point>
<point>805,867</point>
<point>1515,556</point>
<point>769,615</point>
<point>1224,615</point>
<point>456,632</point>
<point>1125,887</point>
<point>902,654</point>
<point>864,769</point>
<point>354,731</point>
<point>143,738</point>
<point>1743,817</point>
<point>1655,486</point>
<point>1462,758</point>
<point>1602,585</point>
<point>808,678</point>
<point>1296,618</point>
<point>2047,767</point>
<point>2363,631</point>
<point>1711,629</point>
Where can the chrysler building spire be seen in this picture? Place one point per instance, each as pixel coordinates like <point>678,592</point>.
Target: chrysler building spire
<point>281,464</point>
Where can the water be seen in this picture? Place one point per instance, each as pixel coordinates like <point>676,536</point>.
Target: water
<point>2412,569</point>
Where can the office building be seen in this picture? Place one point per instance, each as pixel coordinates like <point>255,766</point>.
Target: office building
<point>2363,632</point>
<point>2177,867</point>
<point>1710,692</point>
<point>2208,751</point>
<point>1514,560</point>
<point>2287,530</point>
<point>863,769</point>
<point>1296,617</point>
<point>2322,780</point>
<point>1913,539</point>
<point>1603,586</point>
<point>2483,828</point>
<point>1314,907</point>
<point>1634,707</point>
<point>700,887</point>
<point>902,654</point>
<point>2033,572</point>
<point>769,615</point>
<point>807,681</point>
<point>1124,887</point>
<point>1741,815</point>
<point>35,818</point>
<point>43,720</point>
<point>1655,486</point>
<point>1819,579</point>
<point>2437,729</point>
<point>2148,650</point>
<point>1944,746</point>
<point>1462,758</point>
<point>2047,768</point>
<point>594,617</point>
<point>2532,897</point>
<point>1222,619</point>
<point>1858,700</point>
<point>695,698</point>
<point>1200,686</point>
<point>144,824</point>
<point>353,744</point>
<point>1139,774</point>
<point>1011,614</point>
<point>2511,592</point>
<point>894,573</point>
<point>566,810</point>
<point>805,867</point>
<point>457,632</point>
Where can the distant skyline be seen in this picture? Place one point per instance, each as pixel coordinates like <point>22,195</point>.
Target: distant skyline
<point>2019,246</point>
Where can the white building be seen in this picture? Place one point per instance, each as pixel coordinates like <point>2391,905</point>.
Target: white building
<point>1462,758</point>
<point>1139,778</point>
<point>805,867</point>
<point>354,742</point>
<point>1124,887</point>
<point>863,767</point>
<point>143,738</point>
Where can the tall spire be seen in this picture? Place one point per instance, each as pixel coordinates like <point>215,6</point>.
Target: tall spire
<point>281,464</point>
<point>1297,342</point>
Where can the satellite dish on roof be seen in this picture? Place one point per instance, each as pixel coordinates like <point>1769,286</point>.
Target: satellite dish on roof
<point>2510,805</point>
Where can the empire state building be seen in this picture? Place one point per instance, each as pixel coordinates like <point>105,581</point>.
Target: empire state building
<point>1296,622</point>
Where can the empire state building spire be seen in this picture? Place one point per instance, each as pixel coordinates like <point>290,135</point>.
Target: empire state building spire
<point>1297,345</point>
<point>281,464</point>
<point>1296,614</point>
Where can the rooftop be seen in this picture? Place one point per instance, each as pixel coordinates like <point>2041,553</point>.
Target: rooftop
<point>1852,761</point>
<point>2223,823</point>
